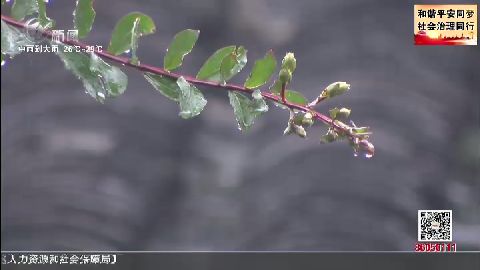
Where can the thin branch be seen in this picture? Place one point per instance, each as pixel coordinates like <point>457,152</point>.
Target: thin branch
<point>160,71</point>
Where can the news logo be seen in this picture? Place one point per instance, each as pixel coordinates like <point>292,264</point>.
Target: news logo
<point>445,24</point>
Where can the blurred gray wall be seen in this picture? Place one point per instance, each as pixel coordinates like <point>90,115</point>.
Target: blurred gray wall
<point>131,175</point>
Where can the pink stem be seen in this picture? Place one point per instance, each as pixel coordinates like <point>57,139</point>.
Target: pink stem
<point>160,71</point>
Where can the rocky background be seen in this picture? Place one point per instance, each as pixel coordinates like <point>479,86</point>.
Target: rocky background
<point>132,175</point>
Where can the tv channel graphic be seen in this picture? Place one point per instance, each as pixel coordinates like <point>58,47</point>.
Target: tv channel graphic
<point>445,25</point>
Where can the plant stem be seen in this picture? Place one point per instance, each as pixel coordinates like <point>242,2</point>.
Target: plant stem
<point>316,101</point>
<point>282,94</point>
<point>160,71</point>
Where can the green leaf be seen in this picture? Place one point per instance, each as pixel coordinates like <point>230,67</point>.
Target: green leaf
<point>83,17</point>
<point>295,97</point>
<point>13,40</point>
<point>122,35</point>
<point>361,130</point>
<point>211,68</point>
<point>276,87</point>
<point>246,110</point>
<point>262,71</point>
<point>167,86</point>
<point>100,79</point>
<point>25,8</point>
<point>232,64</point>
<point>290,95</point>
<point>134,41</point>
<point>44,21</point>
<point>181,45</point>
<point>191,100</point>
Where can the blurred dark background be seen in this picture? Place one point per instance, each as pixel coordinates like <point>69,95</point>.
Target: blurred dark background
<point>132,175</point>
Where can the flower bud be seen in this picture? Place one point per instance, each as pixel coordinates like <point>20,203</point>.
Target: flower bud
<point>289,62</point>
<point>335,89</point>
<point>300,131</point>
<point>307,122</point>
<point>307,119</point>
<point>297,119</point>
<point>285,76</point>
<point>367,147</point>
<point>344,113</point>
<point>331,136</point>
<point>337,113</point>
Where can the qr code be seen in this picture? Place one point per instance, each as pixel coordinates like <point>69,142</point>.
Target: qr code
<point>435,225</point>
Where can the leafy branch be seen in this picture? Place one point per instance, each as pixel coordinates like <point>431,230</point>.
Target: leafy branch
<point>101,80</point>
